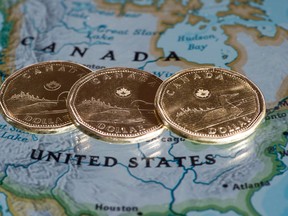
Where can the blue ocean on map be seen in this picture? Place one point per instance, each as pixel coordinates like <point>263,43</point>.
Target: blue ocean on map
<point>277,11</point>
<point>212,212</point>
<point>279,191</point>
<point>278,206</point>
<point>4,210</point>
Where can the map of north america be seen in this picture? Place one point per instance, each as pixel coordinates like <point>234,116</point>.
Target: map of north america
<point>75,174</point>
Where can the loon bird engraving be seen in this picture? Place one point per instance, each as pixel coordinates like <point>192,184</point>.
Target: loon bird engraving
<point>227,110</point>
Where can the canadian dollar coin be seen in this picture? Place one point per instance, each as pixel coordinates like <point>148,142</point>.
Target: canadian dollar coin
<point>116,105</point>
<point>210,105</point>
<point>34,98</point>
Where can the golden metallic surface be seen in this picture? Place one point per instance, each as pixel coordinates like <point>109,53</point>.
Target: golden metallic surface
<point>34,98</point>
<point>210,105</point>
<point>116,105</point>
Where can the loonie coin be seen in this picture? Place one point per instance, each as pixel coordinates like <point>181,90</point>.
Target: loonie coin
<point>34,98</point>
<point>116,105</point>
<point>210,105</point>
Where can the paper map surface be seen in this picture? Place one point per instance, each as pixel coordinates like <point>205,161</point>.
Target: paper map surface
<point>75,174</point>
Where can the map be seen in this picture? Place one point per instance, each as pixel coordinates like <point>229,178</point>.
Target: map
<point>75,174</point>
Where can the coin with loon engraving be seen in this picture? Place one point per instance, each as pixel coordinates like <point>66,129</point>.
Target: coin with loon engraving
<point>116,105</point>
<point>34,98</point>
<point>210,105</point>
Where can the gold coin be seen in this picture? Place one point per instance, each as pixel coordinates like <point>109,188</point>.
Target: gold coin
<point>116,105</point>
<point>34,98</point>
<point>210,105</point>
